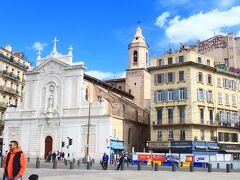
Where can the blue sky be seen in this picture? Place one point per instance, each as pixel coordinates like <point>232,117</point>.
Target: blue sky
<point>100,31</point>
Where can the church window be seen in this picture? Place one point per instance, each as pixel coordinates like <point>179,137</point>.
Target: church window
<point>135,56</point>
<point>129,135</point>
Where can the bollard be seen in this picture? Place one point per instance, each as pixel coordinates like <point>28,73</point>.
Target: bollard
<point>228,168</point>
<point>191,167</point>
<point>231,165</point>
<point>65,162</point>
<point>139,166</point>
<point>123,166</point>
<point>174,167</point>
<point>54,164</point>
<point>71,165</point>
<point>156,167</point>
<point>88,165</point>
<point>37,163</point>
<point>1,165</point>
<point>209,167</point>
<point>218,166</point>
<point>74,160</point>
<point>78,162</point>
<point>28,159</point>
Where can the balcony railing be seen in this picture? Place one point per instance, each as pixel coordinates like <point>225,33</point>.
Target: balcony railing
<point>13,62</point>
<point>11,75</point>
<point>9,90</point>
<point>229,124</point>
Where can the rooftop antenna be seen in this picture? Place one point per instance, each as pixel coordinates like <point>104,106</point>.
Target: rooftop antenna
<point>169,48</point>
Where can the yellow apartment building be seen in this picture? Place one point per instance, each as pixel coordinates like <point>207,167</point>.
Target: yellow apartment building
<point>194,106</point>
<point>12,69</point>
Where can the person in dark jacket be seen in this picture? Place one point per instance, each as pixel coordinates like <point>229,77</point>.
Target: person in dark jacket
<point>105,159</point>
<point>121,161</point>
<point>15,163</point>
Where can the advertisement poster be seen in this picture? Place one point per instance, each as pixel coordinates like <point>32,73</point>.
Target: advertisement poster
<point>220,157</point>
<point>201,158</point>
<point>186,158</point>
<point>158,157</point>
<point>172,158</point>
<point>213,158</point>
<point>144,156</point>
<point>228,157</point>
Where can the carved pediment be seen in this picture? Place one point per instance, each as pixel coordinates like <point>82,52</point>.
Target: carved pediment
<point>51,65</point>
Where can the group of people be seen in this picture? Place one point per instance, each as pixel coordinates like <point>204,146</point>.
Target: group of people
<point>55,156</point>
<point>15,163</point>
<point>118,160</point>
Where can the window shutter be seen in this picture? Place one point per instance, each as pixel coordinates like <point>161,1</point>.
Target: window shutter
<point>177,59</point>
<point>162,78</point>
<point>176,94</point>
<point>155,78</point>
<point>166,77</point>
<point>155,96</point>
<point>206,78</point>
<point>197,77</point>
<point>174,76</point>
<point>165,95</point>
<point>204,92</point>
<point>207,96</point>
<point>185,93</point>
<point>198,94</point>
<point>203,77</point>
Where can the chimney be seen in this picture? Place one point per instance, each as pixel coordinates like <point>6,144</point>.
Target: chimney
<point>9,48</point>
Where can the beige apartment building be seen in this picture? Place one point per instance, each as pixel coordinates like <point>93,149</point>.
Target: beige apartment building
<point>195,104</point>
<point>224,49</point>
<point>12,81</point>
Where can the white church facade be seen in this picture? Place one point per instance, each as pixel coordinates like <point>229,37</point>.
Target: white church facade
<point>59,101</point>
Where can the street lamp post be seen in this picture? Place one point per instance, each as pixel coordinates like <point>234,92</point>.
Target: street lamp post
<point>88,136</point>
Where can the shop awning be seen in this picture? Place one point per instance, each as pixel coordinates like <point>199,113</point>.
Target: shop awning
<point>232,151</point>
<point>181,146</point>
<point>213,147</point>
<point>201,147</point>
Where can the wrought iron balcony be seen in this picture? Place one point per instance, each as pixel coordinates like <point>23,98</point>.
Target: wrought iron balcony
<point>10,75</point>
<point>229,124</point>
<point>9,90</point>
<point>13,62</point>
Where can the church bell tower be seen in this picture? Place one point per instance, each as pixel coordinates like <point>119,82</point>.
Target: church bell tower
<point>138,78</point>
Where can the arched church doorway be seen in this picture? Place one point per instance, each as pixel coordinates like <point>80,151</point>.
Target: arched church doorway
<point>48,145</point>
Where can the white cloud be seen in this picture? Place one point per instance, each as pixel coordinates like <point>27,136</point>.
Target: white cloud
<point>105,75</point>
<point>38,46</point>
<point>224,4</point>
<point>161,20</point>
<point>202,25</point>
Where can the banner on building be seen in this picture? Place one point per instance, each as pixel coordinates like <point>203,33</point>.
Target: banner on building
<point>201,158</point>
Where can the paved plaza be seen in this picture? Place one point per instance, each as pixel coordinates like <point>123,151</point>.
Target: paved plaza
<point>76,174</point>
<point>130,173</point>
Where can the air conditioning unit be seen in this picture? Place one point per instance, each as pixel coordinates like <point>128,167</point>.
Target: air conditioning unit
<point>195,138</point>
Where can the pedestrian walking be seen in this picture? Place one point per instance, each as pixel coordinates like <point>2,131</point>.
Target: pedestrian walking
<point>104,161</point>
<point>15,163</point>
<point>120,162</point>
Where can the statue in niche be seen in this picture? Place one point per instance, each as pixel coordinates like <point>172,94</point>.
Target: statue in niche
<point>50,103</point>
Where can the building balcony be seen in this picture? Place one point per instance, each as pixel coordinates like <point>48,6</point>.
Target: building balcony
<point>229,124</point>
<point>11,61</point>
<point>10,91</point>
<point>10,75</point>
